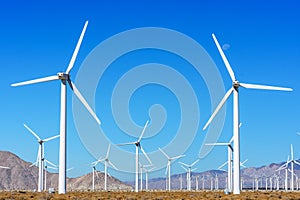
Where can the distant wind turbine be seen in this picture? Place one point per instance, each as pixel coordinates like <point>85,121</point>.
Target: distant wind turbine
<point>40,156</point>
<point>234,89</point>
<point>137,147</point>
<point>189,170</point>
<point>64,77</point>
<point>106,163</point>
<point>168,168</point>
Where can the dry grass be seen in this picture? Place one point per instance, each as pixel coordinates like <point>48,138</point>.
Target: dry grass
<point>176,195</point>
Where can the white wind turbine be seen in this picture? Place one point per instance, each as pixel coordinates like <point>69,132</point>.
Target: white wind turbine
<point>292,162</point>
<point>106,163</point>
<point>40,156</point>
<point>146,174</point>
<point>142,168</point>
<point>234,89</point>
<point>189,170</point>
<point>64,77</point>
<point>229,161</point>
<point>168,168</point>
<point>137,147</point>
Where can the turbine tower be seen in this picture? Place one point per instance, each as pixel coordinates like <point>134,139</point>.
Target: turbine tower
<point>168,168</point>
<point>40,157</point>
<point>235,90</point>
<point>64,77</point>
<point>137,147</point>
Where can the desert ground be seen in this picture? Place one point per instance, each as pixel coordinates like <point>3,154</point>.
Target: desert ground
<point>174,195</point>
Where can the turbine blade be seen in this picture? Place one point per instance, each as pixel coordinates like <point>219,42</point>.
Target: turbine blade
<point>194,169</point>
<point>39,80</point>
<point>83,101</point>
<point>217,144</point>
<point>32,132</point>
<point>50,163</point>
<point>142,134</point>
<point>221,166</point>
<point>108,150</point>
<point>111,164</point>
<point>297,162</point>
<point>184,164</point>
<point>242,163</point>
<point>218,107</point>
<point>164,153</point>
<point>176,157</point>
<point>292,152</point>
<point>70,169</point>
<point>183,167</point>
<point>230,141</point>
<point>166,172</point>
<point>194,163</point>
<point>146,155</point>
<point>229,69</point>
<point>51,138</point>
<point>124,144</point>
<point>35,163</point>
<point>264,87</point>
<point>72,61</point>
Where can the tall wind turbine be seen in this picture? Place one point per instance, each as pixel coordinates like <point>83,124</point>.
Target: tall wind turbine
<point>137,147</point>
<point>168,168</point>
<point>234,89</point>
<point>40,156</point>
<point>106,162</point>
<point>229,161</point>
<point>146,174</point>
<point>189,170</point>
<point>64,77</point>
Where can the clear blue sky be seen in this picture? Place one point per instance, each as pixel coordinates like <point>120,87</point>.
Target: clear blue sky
<point>37,39</point>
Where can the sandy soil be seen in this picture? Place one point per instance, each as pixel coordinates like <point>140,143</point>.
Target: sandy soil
<point>150,195</point>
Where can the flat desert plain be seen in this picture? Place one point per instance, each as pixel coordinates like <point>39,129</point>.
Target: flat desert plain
<point>174,195</point>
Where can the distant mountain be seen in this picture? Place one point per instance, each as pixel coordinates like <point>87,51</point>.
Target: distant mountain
<point>218,178</point>
<point>21,176</point>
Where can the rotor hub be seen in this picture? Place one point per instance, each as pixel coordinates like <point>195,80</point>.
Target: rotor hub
<point>236,84</point>
<point>63,76</point>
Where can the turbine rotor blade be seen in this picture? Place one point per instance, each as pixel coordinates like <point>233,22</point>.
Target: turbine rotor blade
<point>221,166</point>
<point>194,163</point>
<point>50,163</point>
<point>111,164</point>
<point>217,144</point>
<point>108,150</point>
<point>292,152</point>
<point>229,69</point>
<point>146,155</point>
<point>231,140</point>
<point>72,61</point>
<point>39,80</point>
<point>176,157</point>
<point>264,87</point>
<point>184,164</point>
<point>51,138</point>
<point>32,132</point>
<point>183,167</point>
<point>219,107</point>
<point>83,101</point>
<point>142,134</point>
<point>164,153</point>
<point>124,144</point>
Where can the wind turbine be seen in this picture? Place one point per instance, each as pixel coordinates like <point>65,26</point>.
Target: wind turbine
<point>142,168</point>
<point>168,168</point>
<point>40,156</point>
<point>234,89</point>
<point>285,166</point>
<point>106,163</point>
<point>137,147</point>
<point>64,77</point>
<point>146,174</point>
<point>229,161</point>
<point>189,170</point>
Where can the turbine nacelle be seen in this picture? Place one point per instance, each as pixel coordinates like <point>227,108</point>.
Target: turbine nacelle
<point>63,76</point>
<point>236,84</point>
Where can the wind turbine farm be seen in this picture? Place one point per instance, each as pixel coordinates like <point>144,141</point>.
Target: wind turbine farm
<point>171,83</point>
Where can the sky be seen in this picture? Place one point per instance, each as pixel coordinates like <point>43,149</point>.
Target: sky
<point>150,60</point>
